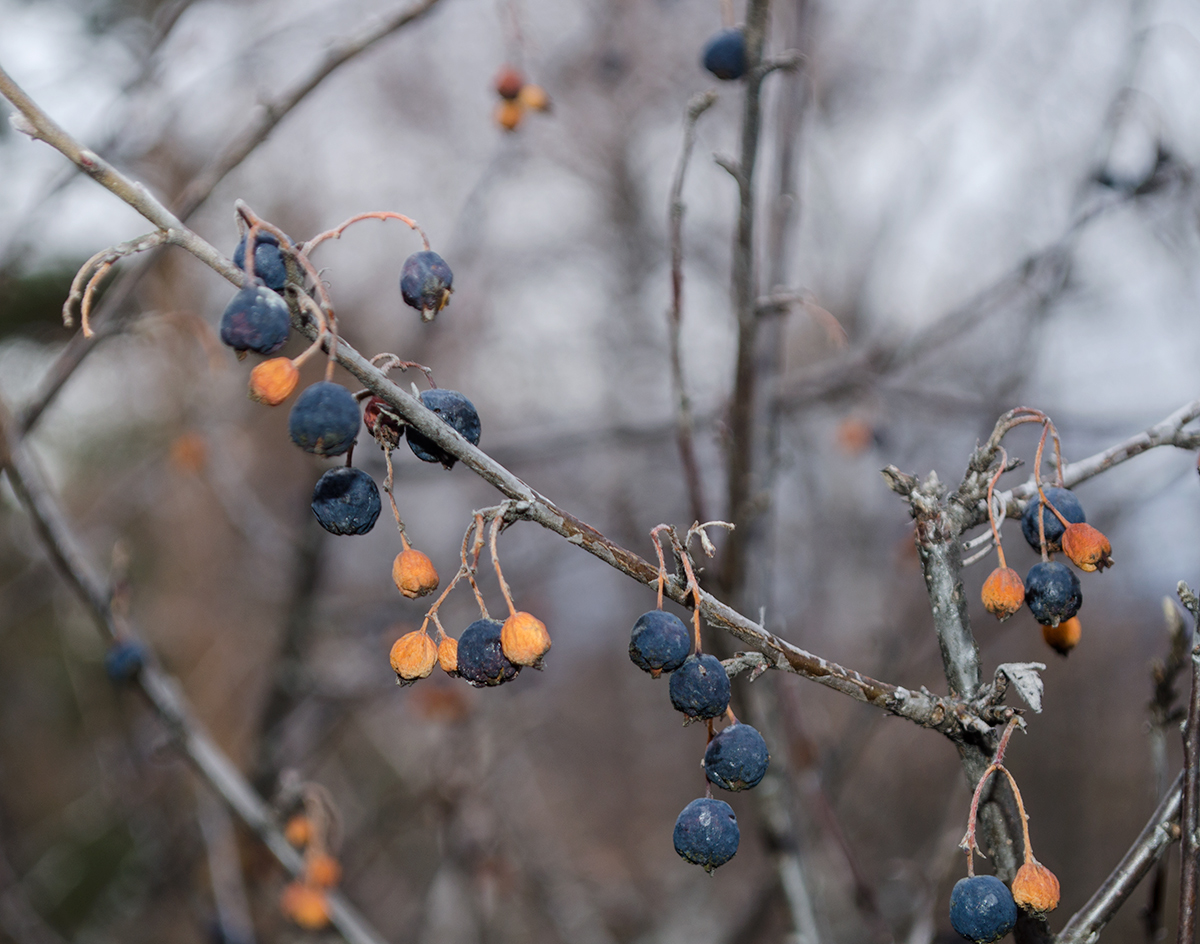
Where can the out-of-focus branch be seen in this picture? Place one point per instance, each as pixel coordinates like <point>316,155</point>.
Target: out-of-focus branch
<point>1189,817</point>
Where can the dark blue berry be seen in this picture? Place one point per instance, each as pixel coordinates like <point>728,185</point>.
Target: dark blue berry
<point>256,320</point>
<point>481,658</point>
<point>458,412</point>
<point>268,259</point>
<point>659,642</point>
<point>346,501</point>
<point>736,759</point>
<point>325,419</point>
<point>700,687</point>
<point>1052,592</point>
<point>425,283</point>
<point>982,908</point>
<point>706,833</point>
<point>124,661</point>
<point>725,54</point>
<point>1067,505</point>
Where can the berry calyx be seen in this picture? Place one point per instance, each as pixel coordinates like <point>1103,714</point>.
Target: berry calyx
<point>305,905</point>
<point>425,283</point>
<point>1068,506</point>
<point>1035,888</point>
<point>659,642</point>
<point>273,381</point>
<point>413,657</point>
<point>456,411</point>
<point>268,259</point>
<point>346,501</point>
<point>1052,592</point>
<point>706,833</point>
<point>1003,593</point>
<point>524,639</point>
<point>414,573</point>
<point>736,758</point>
<point>982,908</point>
<point>725,55</point>
<point>700,688</point>
<point>1064,637</point>
<point>257,320</point>
<point>325,419</point>
<point>383,422</point>
<point>1087,548</point>
<point>481,660</point>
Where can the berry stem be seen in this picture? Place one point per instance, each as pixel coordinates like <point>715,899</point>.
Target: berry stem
<point>336,232</point>
<point>662,563</point>
<point>991,515</point>
<point>387,487</point>
<point>693,586</point>
<point>464,570</point>
<point>497,523</point>
<point>1020,809</point>
<point>1037,477</point>
<point>386,362</point>
<point>968,841</point>
<point>248,259</point>
<point>471,568</point>
<point>729,715</point>
<point>727,19</point>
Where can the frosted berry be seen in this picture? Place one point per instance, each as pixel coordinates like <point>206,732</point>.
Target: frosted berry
<point>383,422</point>
<point>659,642</point>
<point>1068,506</point>
<point>1052,592</point>
<point>725,54</point>
<point>700,687</point>
<point>481,659</point>
<point>414,574</point>
<point>706,833</point>
<point>1064,637</point>
<point>413,657</point>
<point>736,758</point>
<point>324,419</point>
<point>524,640</point>
<point>268,259</point>
<point>1087,548</point>
<point>123,662</point>
<point>455,410</point>
<point>1035,888</point>
<point>982,908</point>
<point>1003,592</point>
<point>273,381</point>
<point>256,320</point>
<point>425,283</point>
<point>346,501</point>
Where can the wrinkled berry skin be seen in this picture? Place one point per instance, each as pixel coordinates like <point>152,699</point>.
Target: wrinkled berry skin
<point>706,833</point>
<point>737,758</point>
<point>700,687</point>
<point>481,658</point>
<point>982,908</point>
<point>659,642</point>
<point>425,283</point>
<point>346,501</point>
<point>124,661</point>
<point>268,260</point>
<point>1067,505</point>
<point>454,409</point>
<point>1052,592</point>
<point>324,419</point>
<point>725,55</point>
<point>256,320</point>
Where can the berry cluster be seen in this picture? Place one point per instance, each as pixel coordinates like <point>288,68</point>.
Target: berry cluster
<point>1052,523</point>
<point>305,902</point>
<point>736,758</point>
<point>517,97</point>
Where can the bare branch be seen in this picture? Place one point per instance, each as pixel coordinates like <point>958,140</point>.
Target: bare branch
<point>1190,815</point>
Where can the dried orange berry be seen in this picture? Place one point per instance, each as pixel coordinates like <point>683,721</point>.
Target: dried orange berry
<point>414,574</point>
<point>273,381</point>
<point>322,869</point>
<point>509,115</point>
<point>413,657</point>
<point>1003,592</point>
<point>298,831</point>
<point>1035,888</point>
<point>1088,549</point>
<point>509,82</point>
<point>524,639</point>
<point>305,905</point>
<point>1064,637</point>
<point>534,97</point>
<point>447,655</point>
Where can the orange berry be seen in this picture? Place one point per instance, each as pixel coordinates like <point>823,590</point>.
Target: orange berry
<point>1064,637</point>
<point>509,115</point>
<point>1088,549</point>
<point>447,654</point>
<point>1003,592</point>
<point>189,452</point>
<point>509,81</point>
<point>414,574</point>
<point>305,905</point>
<point>1035,888</point>
<point>322,870</point>
<point>273,381</point>
<point>298,831</point>
<point>413,657</point>
<point>534,98</point>
<point>524,639</point>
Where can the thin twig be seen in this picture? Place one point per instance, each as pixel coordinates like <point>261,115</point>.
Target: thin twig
<point>1190,814</point>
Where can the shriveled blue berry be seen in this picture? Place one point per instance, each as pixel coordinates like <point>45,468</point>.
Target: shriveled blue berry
<point>1052,592</point>
<point>426,283</point>
<point>736,758</point>
<point>700,687</point>
<point>1068,506</point>
<point>481,659</point>
<point>346,501</point>
<point>268,259</point>
<point>124,660</point>
<point>982,908</point>
<point>706,833</point>
<point>256,320</point>
<point>725,54</point>
<point>454,409</point>
<point>324,419</point>
<point>659,642</point>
